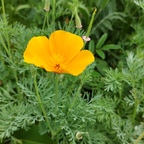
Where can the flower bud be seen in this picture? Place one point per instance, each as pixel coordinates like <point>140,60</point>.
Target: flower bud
<point>77,20</point>
<point>86,37</point>
<point>47,5</point>
<point>79,135</point>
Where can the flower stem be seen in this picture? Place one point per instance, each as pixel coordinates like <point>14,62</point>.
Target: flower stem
<point>75,98</point>
<point>7,48</point>
<point>139,138</point>
<point>53,12</point>
<point>72,16</point>
<point>3,10</point>
<point>90,24</point>
<point>45,20</point>
<point>41,104</point>
<point>56,92</point>
<point>5,21</point>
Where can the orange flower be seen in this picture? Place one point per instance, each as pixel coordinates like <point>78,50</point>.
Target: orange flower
<point>61,53</point>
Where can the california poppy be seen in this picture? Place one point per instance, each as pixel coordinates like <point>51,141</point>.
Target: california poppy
<point>61,53</point>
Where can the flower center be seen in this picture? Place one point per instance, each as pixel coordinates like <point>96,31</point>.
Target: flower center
<point>57,66</point>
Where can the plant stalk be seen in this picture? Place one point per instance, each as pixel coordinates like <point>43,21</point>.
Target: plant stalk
<point>139,138</point>
<point>53,12</point>
<point>75,98</point>
<point>56,92</point>
<point>41,105</point>
<point>45,20</point>
<point>8,50</point>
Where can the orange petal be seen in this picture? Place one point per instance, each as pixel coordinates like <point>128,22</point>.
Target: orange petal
<point>65,44</point>
<point>37,52</point>
<point>80,62</point>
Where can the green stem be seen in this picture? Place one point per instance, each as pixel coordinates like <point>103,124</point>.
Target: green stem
<point>3,10</point>
<point>139,138</point>
<point>41,105</point>
<point>56,101</point>
<point>56,92</point>
<point>53,12</point>
<point>90,24</point>
<point>45,20</point>
<point>8,50</point>
<point>70,22</point>
<point>6,33</point>
<point>75,98</point>
<point>4,46</point>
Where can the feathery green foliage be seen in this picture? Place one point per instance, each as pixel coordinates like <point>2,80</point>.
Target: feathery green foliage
<point>103,105</point>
